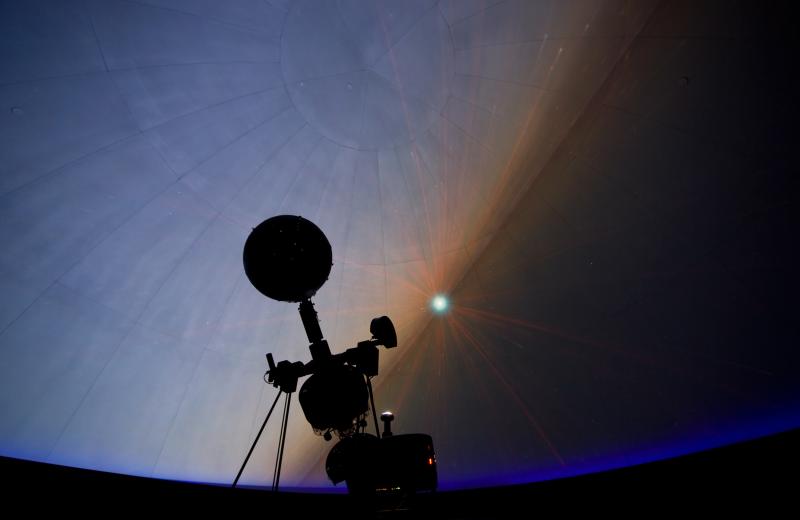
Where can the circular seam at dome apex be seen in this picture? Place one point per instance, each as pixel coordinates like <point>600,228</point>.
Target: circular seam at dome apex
<point>353,70</point>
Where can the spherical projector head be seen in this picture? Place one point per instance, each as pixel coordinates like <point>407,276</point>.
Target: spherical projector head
<point>287,258</point>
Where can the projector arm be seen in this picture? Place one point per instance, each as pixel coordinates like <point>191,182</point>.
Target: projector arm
<point>284,375</point>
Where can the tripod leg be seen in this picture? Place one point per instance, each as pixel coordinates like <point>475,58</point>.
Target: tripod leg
<point>284,425</point>
<point>238,475</point>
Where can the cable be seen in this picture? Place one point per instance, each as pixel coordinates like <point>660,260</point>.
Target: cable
<point>374,412</point>
<point>257,437</point>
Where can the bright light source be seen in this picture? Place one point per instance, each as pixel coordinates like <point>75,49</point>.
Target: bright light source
<point>439,304</point>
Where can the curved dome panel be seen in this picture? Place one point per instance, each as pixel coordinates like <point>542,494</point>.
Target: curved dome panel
<point>546,164</point>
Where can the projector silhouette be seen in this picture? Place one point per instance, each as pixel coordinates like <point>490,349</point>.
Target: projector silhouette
<point>288,258</point>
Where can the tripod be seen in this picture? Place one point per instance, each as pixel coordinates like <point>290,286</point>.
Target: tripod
<point>284,375</point>
<point>276,474</point>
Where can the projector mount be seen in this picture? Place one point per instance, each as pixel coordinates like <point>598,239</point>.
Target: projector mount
<point>288,258</point>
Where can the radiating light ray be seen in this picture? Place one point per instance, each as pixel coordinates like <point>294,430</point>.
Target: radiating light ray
<point>442,378</point>
<point>414,151</point>
<point>410,369</point>
<point>510,389</point>
<point>501,186</point>
<point>475,372</point>
<point>412,281</point>
<point>630,354</point>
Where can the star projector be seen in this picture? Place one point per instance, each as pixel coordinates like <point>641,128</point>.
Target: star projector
<point>440,304</point>
<point>288,258</point>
